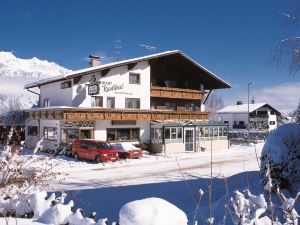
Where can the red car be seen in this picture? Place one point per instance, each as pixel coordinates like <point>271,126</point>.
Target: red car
<point>128,151</point>
<point>100,151</point>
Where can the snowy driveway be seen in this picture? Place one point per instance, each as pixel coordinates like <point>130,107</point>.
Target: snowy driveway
<point>157,169</point>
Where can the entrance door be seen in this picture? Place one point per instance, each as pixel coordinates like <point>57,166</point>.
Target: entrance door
<point>189,139</point>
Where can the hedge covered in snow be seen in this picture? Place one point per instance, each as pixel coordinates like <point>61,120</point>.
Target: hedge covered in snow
<point>281,153</point>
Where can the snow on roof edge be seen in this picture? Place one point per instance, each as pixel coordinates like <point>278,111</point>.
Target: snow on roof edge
<point>243,108</point>
<point>120,63</point>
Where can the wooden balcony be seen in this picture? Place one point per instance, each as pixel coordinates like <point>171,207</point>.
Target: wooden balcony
<point>165,92</point>
<point>92,114</point>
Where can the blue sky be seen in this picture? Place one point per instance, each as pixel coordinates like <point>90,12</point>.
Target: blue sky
<point>233,38</point>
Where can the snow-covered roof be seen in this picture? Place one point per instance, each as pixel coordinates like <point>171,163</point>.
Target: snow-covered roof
<point>121,63</point>
<point>243,108</point>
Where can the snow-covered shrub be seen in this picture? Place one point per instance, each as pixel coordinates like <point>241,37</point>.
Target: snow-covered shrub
<point>151,211</point>
<point>47,210</point>
<point>246,208</point>
<point>296,114</point>
<point>281,153</point>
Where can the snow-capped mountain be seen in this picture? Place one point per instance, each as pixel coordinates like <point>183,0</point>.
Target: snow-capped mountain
<point>15,73</point>
<point>11,66</point>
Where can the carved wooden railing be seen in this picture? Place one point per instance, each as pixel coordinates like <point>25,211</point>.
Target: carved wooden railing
<point>180,93</point>
<point>79,114</point>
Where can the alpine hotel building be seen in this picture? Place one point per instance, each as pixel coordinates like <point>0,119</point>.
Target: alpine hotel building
<point>156,99</point>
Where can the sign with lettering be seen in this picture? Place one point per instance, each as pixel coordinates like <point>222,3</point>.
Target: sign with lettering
<point>109,86</point>
<point>93,89</point>
<point>77,124</point>
<point>93,86</point>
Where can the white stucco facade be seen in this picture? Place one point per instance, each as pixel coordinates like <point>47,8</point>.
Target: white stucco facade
<point>112,102</point>
<point>261,118</point>
<point>118,77</point>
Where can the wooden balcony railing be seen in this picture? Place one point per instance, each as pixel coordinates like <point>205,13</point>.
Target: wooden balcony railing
<point>91,114</point>
<point>165,92</point>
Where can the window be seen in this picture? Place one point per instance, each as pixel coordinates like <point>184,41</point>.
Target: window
<point>50,133</point>
<point>84,144</point>
<point>241,123</point>
<point>104,145</point>
<point>272,122</point>
<point>226,122</point>
<point>224,131</point>
<point>170,105</point>
<point>97,101</point>
<point>173,133</point>
<point>32,130</point>
<point>66,84</point>
<point>46,102</point>
<point>86,134</point>
<point>190,106</point>
<point>123,134</point>
<point>132,103</point>
<point>110,102</point>
<point>215,131</point>
<point>134,78</point>
<point>69,135</point>
<point>156,133</point>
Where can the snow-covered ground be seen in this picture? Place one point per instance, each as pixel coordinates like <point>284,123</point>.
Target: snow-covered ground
<point>105,188</point>
<point>156,169</point>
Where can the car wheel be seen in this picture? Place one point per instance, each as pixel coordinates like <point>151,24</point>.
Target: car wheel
<point>76,156</point>
<point>98,159</point>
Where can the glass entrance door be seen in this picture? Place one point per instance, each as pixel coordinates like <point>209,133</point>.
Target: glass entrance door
<point>189,139</point>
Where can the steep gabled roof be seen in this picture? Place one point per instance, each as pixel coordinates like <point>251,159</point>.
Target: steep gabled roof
<point>243,108</point>
<point>221,83</point>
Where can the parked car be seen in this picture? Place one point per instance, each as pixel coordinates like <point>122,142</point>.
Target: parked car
<point>128,151</point>
<point>100,151</point>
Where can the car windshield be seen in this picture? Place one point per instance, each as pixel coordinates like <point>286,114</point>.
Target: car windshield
<point>104,145</point>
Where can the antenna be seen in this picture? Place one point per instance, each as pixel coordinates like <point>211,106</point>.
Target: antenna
<point>148,47</point>
<point>118,49</point>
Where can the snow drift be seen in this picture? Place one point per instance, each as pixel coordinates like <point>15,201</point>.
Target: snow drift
<point>151,211</point>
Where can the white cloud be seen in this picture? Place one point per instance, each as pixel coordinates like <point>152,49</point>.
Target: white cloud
<point>284,97</point>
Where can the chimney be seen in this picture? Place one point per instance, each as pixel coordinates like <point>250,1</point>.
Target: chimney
<point>94,60</point>
<point>239,102</point>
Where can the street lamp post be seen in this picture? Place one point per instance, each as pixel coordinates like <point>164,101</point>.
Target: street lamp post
<point>248,126</point>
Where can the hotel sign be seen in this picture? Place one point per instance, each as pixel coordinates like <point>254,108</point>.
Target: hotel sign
<point>106,86</point>
<point>93,86</point>
<point>93,89</point>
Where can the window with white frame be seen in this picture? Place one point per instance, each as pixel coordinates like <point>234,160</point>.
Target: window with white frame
<point>50,133</point>
<point>173,133</point>
<point>132,103</point>
<point>97,101</point>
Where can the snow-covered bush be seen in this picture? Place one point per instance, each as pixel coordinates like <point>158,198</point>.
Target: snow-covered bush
<point>151,211</point>
<point>19,175</point>
<point>47,210</point>
<point>281,153</point>
<point>246,208</point>
<point>296,114</point>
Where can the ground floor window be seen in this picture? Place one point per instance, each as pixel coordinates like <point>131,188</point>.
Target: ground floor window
<point>50,133</point>
<point>32,130</point>
<point>173,133</point>
<point>216,132</point>
<point>69,135</point>
<point>123,134</point>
